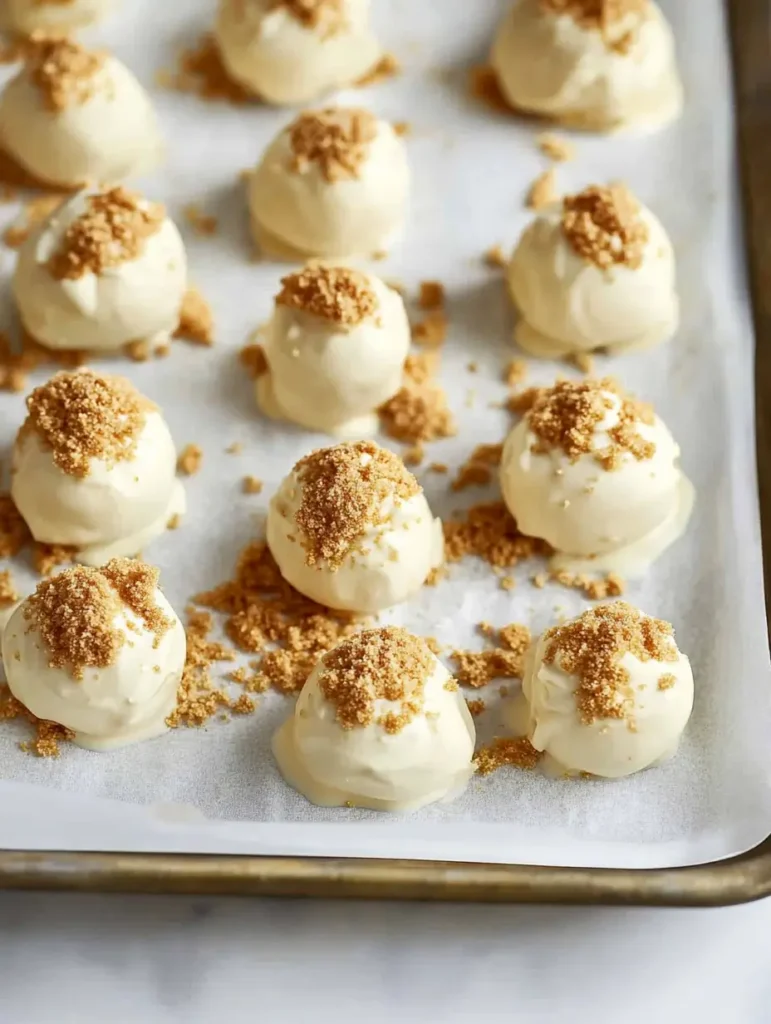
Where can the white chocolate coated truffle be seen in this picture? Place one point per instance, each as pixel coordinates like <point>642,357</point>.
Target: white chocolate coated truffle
<point>82,615</point>
<point>601,76</point>
<point>334,184</point>
<point>136,296</point>
<point>292,53</point>
<point>106,505</point>
<point>351,528</point>
<point>569,303</point>
<point>52,16</point>
<point>335,348</point>
<point>102,129</point>
<point>380,724</point>
<point>615,506</point>
<point>609,693</point>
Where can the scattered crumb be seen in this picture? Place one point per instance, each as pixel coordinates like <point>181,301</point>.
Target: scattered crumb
<point>515,372</point>
<point>431,331</point>
<point>200,71</point>
<point>472,367</point>
<point>190,459</point>
<point>495,257</point>
<point>414,455</point>
<point>402,128</point>
<point>47,557</point>
<point>175,522</point>
<point>556,147</point>
<point>431,295</point>
<point>595,589</point>
<point>251,485</point>
<point>439,467</point>
<point>235,448</point>
<point>476,707</point>
<point>14,533</point>
<point>252,357</point>
<point>418,412</point>
<point>477,470</point>
<point>387,67</point>
<point>583,361</point>
<point>489,532</point>
<point>202,223</point>
<point>483,86</point>
<point>478,668</point>
<point>507,583</point>
<point>196,322</point>
<point>33,213</point>
<point>47,735</point>
<point>516,752</point>
<point>543,191</point>
<point>8,593</point>
<point>138,351</point>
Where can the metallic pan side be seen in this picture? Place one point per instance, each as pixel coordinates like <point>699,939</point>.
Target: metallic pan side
<point>737,880</point>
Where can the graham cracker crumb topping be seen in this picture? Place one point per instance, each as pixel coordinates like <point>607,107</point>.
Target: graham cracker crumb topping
<point>567,416</point>
<point>592,646</point>
<point>64,72</point>
<point>113,230</point>
<point>81,415</point>
<point>75,612</point>
<point>343,491</point>
<point>603,16</point>
<point>377,664</point>
<point>603,225</point>
<point>339,294</point>
<point>337,139</point>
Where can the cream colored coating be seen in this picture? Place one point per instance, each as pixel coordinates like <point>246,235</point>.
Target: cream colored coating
<point>284,61</point>
<point>608,747</point>
<point>567,304</point>
<point>52,16</point>
<point>429,759</point>
<point>329,376</point>
<point>112,135</point>
<point>550,65</point>
<point>388,564</point>
<point>297,210</point>
<point>618,520</point>
<point>137,300</point>
<point>125,702</point>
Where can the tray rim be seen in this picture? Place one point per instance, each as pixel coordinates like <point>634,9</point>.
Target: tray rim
<point>739,879</point>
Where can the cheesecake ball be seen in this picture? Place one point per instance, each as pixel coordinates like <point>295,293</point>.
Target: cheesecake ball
<point>105,269</point>
<point>351,528</point>
<point>380,723</point>
<point>73,116</point>
<point>334,184</point>
<point>596,474</point>
<point>335,349</point>
<point>94,467</point>
<point>601,66</point>
<point>293,51</point>
<point>99,651</point>
<point>54,17</point>
<point>608,693</point>
<point>596,270</point>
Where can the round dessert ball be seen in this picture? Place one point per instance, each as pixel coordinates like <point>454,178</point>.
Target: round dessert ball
<point>105,269</point>
<point>52,16</point>
<point>596,270</point>
<point>380,723</point>
<point>94,467</point>
<point>335,349</point>
<point>334,184</point>
<point>596,474</point>
<point>608,693</point>
<point>602,67</point>
<point>293,51</point>
<point>99,651</point>
<point>73,116</point>
<point>351,528</point>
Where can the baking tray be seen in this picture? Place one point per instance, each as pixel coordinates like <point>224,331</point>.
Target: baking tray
<point>735,880</point>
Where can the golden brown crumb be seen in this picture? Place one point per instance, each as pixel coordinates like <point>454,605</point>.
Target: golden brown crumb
<point>476,707</point>
<point>477,470</point>
<point>583,361</point>
<point>339,294</point>
<point>48,735</point>
<point>327,16</point>
<point>113,230</point>
<point>202,223</point>
<point>174,522</point>
<point>74,612</point>
<point>190,459</point>
<point>478,668</point>
<point>505,752</point>
<point>556,147</point>
<point>386,68</point>
<point>82,415</point>
<point>414,455</point>
<point>489,532</point>
<point>244,705</point>
<point>602,16</point>
<point>376,664</point>
<point>431,295</point>
<point>667,681</point>
<point>252,357</point>
<point>543,191</point>
<point>515,372</point>
<point>484,87</point>
<point>402,128</point>
<point>507,583</point>
<point>433,645</point>
<point>235,448</point>
<point>495,257</point>
<point>8,593</point>
<point>439,467</point>
<point>566,416</point>
<point>472,367</point>
<point>418,413</point>
<point>343,490</point>
<point>64,72</point>
<point>138,351</point>
<point>196,321</point>
<point>337,139</point>
<point>431,331</point>
<point>251,485</point>
<point>595,589</point>
<point>603,225</point>
<point>420,367</point>
<point>592,648</point>
<point>34,212</point>
<point>200,71</point>
<point>198,699</point>
<point>14,532</point>
<point>47,557</point>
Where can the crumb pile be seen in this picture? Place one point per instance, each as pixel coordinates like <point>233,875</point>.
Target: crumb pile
<point>603,225</point>
<point>504,661</point>
<point>83,415</point>
<point>75,612</point>
<point>113,230</point>
<point>592,647</point>
<point>603,16</point>
<point>335,139</point>
<point>344,490</point>
<point>418,412</point>
<point>506,752</point>
<point>339,294</point>
<point>568,415</point>
<point>377,664</point>
<point>190,459</point>
<point>48,736</point>
<point>489,532</point>
<point>64,72</point>
<point>478,469</point>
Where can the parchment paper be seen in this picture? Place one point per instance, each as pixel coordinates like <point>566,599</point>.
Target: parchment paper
<point>217,790</point>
